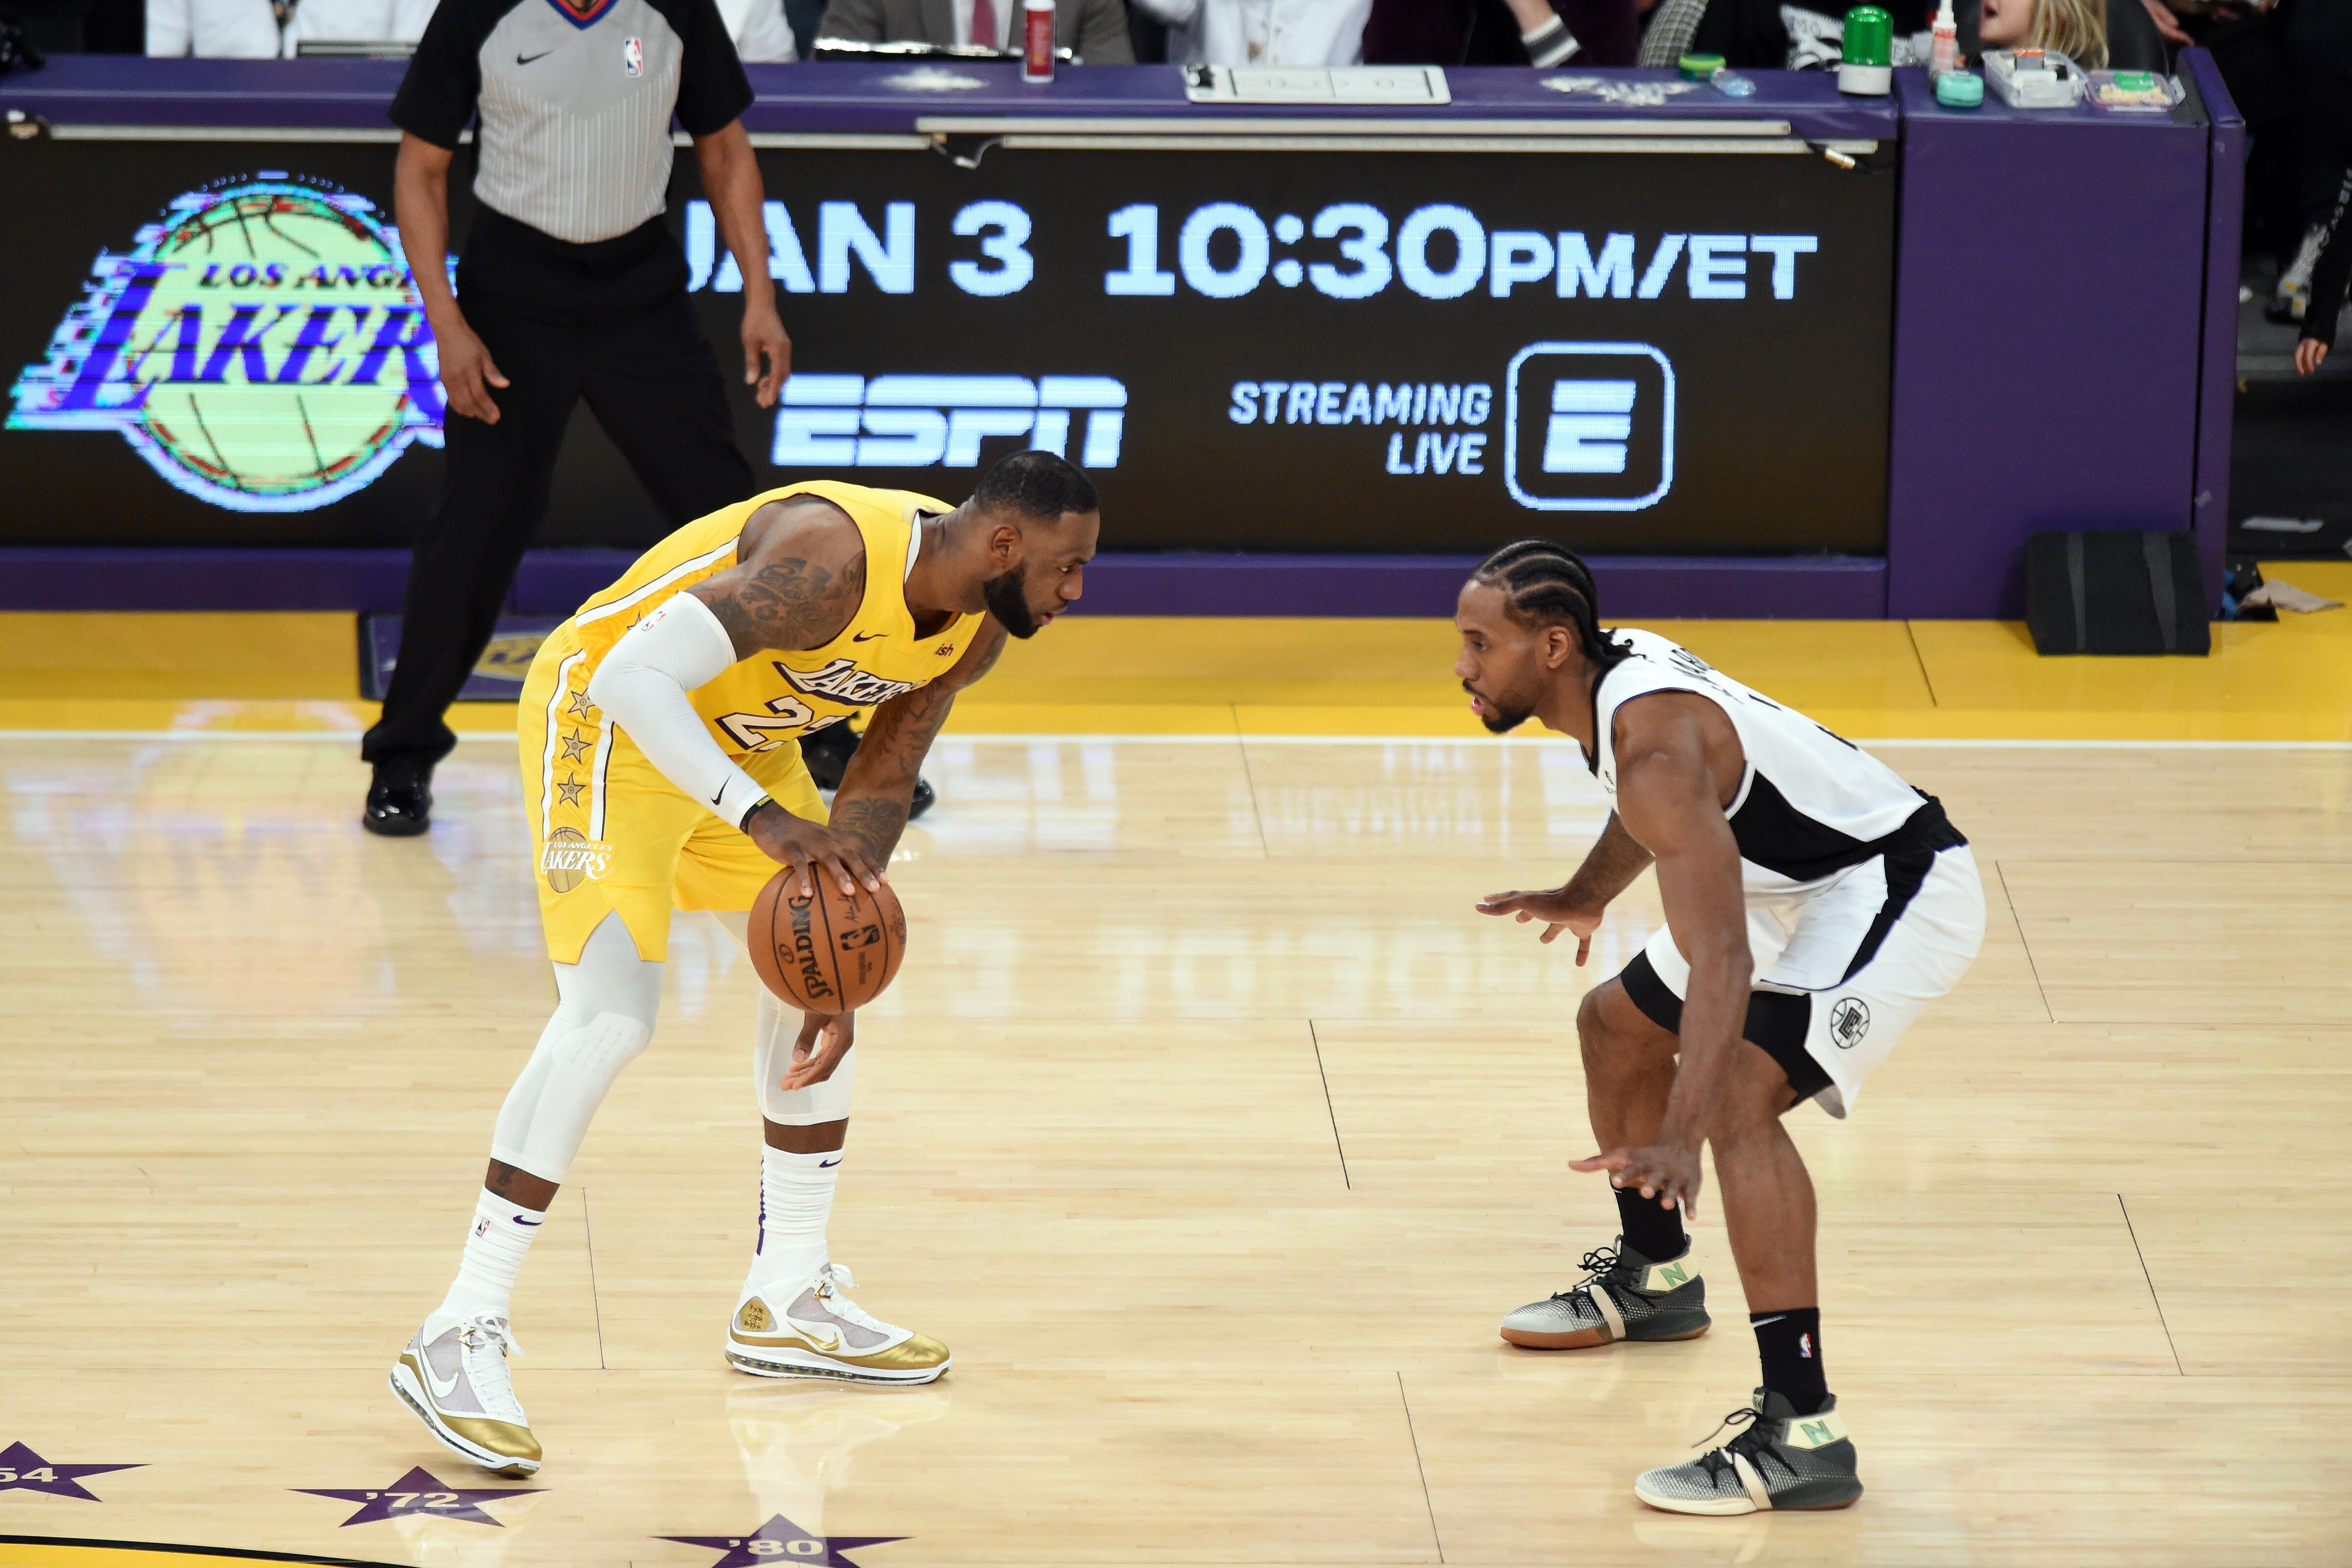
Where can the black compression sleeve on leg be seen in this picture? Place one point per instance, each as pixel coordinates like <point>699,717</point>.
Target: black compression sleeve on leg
<point>1655,1232</point>
<point>1790,1345</point>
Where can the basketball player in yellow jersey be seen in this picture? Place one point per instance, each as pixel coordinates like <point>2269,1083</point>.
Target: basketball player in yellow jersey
<point>660,772</point>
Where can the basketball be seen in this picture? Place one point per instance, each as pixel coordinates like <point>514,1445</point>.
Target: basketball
<point>830,952</point>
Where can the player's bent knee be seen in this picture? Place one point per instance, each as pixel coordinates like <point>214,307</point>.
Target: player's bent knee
<point>1613,1032</point>
<point>547,1113</point>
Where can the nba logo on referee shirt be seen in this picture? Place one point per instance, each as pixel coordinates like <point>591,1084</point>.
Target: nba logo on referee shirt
<point>1589,427</point>
<point>633,56</point>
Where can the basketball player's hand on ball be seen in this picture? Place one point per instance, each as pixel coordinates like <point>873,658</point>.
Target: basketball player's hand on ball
<point>813,849</point>
<point>1666,1171</point>
<point>1554,910</point>
<point>825,1039</point>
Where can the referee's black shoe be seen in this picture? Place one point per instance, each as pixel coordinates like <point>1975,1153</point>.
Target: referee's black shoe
<point>400,801</point>
<point>827,753</point>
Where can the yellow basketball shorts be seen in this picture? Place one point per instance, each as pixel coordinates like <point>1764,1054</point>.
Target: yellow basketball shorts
<point>610,835</point>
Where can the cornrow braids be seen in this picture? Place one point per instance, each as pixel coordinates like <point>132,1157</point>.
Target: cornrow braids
<point>1548,582</point>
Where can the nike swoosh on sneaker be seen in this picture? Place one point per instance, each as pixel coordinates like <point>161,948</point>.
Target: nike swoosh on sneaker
<point>441,1390</point>
<point>827,1341</point>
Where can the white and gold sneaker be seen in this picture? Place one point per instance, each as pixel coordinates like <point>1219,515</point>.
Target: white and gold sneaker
<point>815,1331</point>
<point>457,1384</point>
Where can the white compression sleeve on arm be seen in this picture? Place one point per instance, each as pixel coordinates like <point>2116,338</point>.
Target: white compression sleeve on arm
<point>642,687</point>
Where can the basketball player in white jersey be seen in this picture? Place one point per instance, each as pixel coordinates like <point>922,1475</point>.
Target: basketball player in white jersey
<point>1815,904</point>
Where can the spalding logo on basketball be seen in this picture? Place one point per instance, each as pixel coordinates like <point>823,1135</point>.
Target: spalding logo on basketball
<point>829,951</point>
<point>1848,1021</point>
<point>263,347</point>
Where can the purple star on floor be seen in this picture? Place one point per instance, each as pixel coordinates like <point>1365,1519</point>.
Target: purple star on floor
<point>420,1494</point>
<point>788,1543</point>
<point>20,1467</point>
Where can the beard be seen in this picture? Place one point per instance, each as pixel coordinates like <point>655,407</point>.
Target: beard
<point>1007,596</point>
<point>1498,719</point>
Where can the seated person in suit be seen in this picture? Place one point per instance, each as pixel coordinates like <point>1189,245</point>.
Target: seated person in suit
<point>1093,30</point>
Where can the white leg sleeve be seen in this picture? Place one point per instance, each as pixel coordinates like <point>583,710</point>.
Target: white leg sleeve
<point>771,1056</point>
<point>603,1019</point>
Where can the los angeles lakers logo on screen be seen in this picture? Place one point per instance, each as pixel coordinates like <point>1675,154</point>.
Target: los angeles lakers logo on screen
<point>571,858</point>
<point>263,347</point>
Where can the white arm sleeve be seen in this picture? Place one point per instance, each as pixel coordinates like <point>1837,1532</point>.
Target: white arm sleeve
<point>642,687</point>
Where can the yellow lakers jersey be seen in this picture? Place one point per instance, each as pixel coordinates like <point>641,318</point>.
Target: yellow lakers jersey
<point>777,695</point>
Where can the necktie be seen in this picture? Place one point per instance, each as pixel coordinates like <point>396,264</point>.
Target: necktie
<point>983,23</point>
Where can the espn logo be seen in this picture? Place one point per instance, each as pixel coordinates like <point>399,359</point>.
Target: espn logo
<point>1589,427</point>
<point>920,421</point>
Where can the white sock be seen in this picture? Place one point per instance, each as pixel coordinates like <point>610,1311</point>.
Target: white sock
<point>500,1235</point>
<point>796,1201</point>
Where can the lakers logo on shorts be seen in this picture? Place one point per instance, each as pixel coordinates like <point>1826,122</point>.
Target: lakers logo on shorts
<point>1848,1022</point>
<point>571,858</point>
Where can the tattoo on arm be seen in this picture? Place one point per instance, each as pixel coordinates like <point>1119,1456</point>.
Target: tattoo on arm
<point>1616,858</point>
<point>871,806</point>
<point>786,604</point>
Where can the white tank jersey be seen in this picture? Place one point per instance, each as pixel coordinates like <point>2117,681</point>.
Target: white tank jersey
<point>1810,803</point>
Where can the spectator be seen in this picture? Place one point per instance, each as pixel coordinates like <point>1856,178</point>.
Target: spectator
<point>574,286</point>
<point>2075,28</point>
<point>1255,33</point>
<point>1501,32</point>
<point>803,16</point>
<point>1767,35</point>
<point>258,30</point>
<point>356,22</point>
<point>2322,39</point>
<point>1092,30</point>
<point>761,34</point>
<point>214,29</point>
<point>2328,279</point>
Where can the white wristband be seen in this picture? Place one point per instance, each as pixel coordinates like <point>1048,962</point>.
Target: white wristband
<point>1550,44</point>
<point>641,685</point>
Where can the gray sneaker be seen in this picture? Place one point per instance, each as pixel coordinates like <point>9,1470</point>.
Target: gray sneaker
<point>1780,1461</point>
<point>1624,1297</point>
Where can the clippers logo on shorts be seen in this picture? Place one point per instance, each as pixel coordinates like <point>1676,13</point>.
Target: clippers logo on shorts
<point>939,421</point>
<point>1848,1022</point>
<point>262,347</point>
<point>1588,428</point>
<point>571,858</point>
<point>632,57</point>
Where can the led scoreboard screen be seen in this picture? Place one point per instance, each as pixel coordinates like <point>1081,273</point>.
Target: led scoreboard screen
<point>1323,351</point>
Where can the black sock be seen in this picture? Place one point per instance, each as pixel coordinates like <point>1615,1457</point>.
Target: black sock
<point>1655,1232</point>
<point>1791,1345</point>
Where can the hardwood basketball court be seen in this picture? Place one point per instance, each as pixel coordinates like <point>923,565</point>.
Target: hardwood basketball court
<point>1206,1123</point>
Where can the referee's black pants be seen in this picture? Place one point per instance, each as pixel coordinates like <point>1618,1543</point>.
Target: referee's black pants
<point>610,322</point>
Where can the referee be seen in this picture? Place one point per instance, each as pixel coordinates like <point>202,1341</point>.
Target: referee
<point>573,285</point>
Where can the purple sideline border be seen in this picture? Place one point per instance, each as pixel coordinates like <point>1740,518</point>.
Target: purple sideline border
<point>555,582</point>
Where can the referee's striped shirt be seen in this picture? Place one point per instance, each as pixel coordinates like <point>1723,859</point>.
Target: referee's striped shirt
<point>574,105</point>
